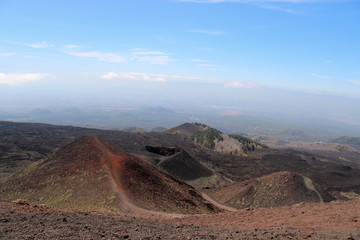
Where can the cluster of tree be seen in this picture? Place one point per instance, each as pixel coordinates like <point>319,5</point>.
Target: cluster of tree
<point>248,144</point>
<point>206,137</point>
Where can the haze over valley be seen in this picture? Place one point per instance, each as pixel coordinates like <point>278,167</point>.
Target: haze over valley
<point>180,119</point>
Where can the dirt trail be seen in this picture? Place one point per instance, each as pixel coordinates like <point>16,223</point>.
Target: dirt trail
<point>219,205</point>
<point>309,185</point>
<point>124,203</point>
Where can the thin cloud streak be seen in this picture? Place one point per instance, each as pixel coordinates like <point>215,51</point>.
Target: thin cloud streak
<point>320,76</point>
<point>39,45</point>
<point>7,54</point>
<point>101,56</point>
<point>205,63</point>
<point>16,78</point>
<point>136,76</point>
<point>241,85</point>
<point>155,77</point>
<point>150,56</point>
<point>282,9</point>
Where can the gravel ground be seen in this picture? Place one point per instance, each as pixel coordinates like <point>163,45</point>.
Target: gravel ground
<point>40,222</point>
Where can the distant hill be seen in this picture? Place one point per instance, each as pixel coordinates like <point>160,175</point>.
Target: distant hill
<point>347,140</point>
<point>91,174</point>
<point>158,129</point>
<point>134,129</point>
<point>186,128</point>
<point>214,139</point>
<point>277,189</point>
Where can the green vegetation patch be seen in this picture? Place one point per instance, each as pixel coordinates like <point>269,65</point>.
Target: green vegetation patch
<point>248,144</point>
<point>206,137</point>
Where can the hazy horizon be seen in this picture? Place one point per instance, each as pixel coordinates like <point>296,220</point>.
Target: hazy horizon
<point>223,62</point>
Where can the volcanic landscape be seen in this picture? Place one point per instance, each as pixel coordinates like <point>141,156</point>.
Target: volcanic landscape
<point>188,182</point>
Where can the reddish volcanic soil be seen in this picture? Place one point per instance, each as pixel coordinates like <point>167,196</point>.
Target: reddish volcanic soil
<point>274,190</point>
<point>91,174</point>
<point>337,220</point>
<point>325,216</point>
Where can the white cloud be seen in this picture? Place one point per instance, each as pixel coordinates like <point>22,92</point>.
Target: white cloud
<point>16,78</point>
<point>105,57</point>
<point>241,85</point>
<point>204,31</point>
<point>356,82</point>
<point>151,77</point>
<point>153,57</point>
<point>39,45</point>
<point>7,54</point>
<point>110,75</point>
<point>156,77</point>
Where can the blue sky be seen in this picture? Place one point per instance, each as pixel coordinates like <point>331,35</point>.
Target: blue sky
<point>299,45</point>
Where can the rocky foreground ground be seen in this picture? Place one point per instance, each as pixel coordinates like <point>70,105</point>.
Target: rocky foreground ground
<point>337,220</point>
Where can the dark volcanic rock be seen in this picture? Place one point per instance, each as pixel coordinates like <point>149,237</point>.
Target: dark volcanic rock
<point>164,151</point>
<point>182,166</point>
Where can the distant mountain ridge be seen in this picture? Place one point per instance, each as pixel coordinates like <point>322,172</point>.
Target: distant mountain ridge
<point>347,140</point>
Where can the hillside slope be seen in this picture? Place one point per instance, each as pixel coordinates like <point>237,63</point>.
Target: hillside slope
<point>336,176</point>
<point>214,139</point>
<point>178,163</point>
<point>91,174</point>
<point>277,189</point>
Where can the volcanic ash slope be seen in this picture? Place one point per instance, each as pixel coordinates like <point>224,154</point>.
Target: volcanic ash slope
<point>91,174</point>
<point>274,190</point>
